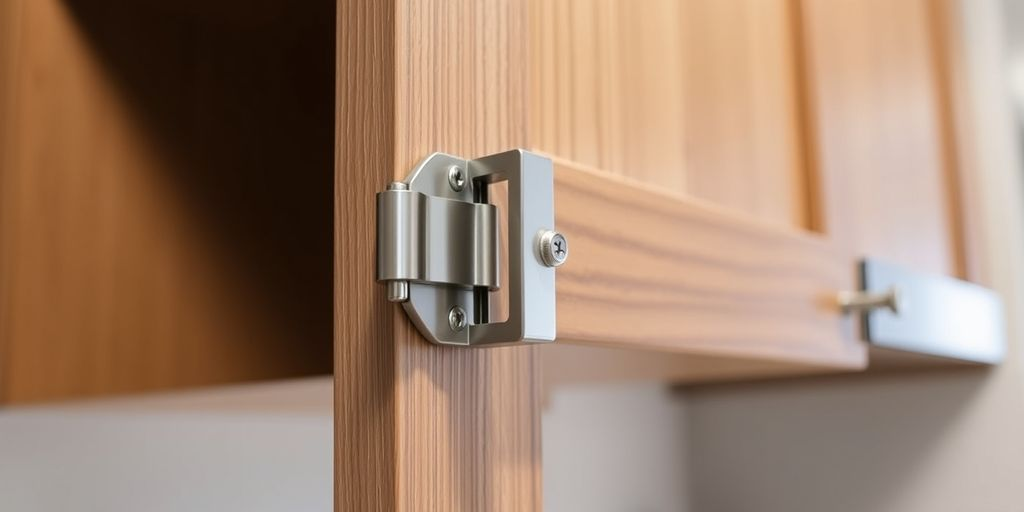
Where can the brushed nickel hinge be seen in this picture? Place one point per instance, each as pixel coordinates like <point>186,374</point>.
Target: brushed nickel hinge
<point>438,248</point>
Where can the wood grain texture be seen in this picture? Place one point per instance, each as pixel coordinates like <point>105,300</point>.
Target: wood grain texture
<point>881,119</point>
<point>694,96</point>
<point>421,427</point>
<point>165,206</point>
<point>658,271</point>
<point>10,29</point>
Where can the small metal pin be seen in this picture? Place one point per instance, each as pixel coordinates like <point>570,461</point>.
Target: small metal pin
<point>554,248</point>
<point>850,301</point>
<point>398,289</point>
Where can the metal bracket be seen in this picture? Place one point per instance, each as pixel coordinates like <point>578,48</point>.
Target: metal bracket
<point>438,248</point>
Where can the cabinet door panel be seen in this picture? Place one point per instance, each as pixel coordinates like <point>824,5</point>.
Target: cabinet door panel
<point>694,96</point>
<point>826,118</point>
<point>882,121</point>
<point>708,245</point>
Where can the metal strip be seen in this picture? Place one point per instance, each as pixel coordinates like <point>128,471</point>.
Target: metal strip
<point>934,315</point>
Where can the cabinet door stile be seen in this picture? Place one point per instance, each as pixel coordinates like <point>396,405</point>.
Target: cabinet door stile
<point>421,427</point>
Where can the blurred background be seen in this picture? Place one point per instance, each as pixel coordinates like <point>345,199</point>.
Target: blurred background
<point>166,252</point>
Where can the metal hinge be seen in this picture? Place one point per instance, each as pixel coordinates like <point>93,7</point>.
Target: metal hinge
<point>438,248</point>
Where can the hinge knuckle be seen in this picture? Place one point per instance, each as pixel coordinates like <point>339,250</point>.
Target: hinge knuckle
<point>396,217</point>
<point>435,240</point>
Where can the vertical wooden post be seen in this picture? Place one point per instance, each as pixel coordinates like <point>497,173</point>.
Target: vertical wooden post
<point>420,427</point>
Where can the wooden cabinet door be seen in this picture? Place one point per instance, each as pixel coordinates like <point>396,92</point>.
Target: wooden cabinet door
<point>720,166</point>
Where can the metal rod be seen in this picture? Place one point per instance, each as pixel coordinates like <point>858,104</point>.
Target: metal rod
<point>850,301</point>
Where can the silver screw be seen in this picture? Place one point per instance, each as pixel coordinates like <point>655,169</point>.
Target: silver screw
<point>457,318</point>
<point>554,248</point>
<point>456,178</point>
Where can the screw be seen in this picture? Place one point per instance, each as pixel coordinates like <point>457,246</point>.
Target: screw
<point>457,318</point>
<point>554,248</point>
<point>398,185</point>
<point>456,178</point>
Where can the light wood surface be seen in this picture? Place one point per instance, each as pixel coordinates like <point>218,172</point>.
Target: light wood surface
<point>421,427</point>
<point>10,27</point>
<point>654,270</point>
<point>878,104</point>
<point>854,105</point>
<point>165,206</point>
<point>695,96</point>
<point>970,145</point>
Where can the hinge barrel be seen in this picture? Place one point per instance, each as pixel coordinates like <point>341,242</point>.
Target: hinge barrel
<point>426,239</point>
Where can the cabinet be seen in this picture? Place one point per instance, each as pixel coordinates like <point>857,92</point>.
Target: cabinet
<point>172,173</point>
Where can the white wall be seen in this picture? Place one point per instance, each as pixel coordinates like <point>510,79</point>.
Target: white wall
<point>614,449</point>
<point>257,447</point>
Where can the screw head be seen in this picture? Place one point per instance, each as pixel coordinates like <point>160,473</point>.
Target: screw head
<point>457,319</point>
<point>554,248</point>
<point>457,178</point>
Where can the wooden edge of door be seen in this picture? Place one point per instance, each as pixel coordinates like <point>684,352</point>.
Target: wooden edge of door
<point>652,270</point>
